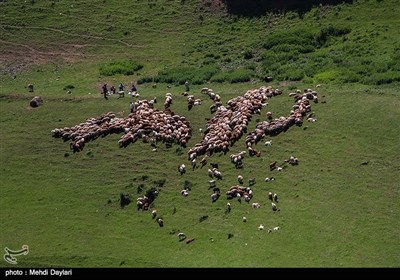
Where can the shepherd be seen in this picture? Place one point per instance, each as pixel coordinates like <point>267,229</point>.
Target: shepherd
<point>105,91</point>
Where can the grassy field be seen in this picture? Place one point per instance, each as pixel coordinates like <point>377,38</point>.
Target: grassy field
<point>335,212</point>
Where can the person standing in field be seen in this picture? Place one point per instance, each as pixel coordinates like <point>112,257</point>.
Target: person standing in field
<point>121,91</point>
<point>105,91</point>
<point>132,106</point>
<point>187,85</point>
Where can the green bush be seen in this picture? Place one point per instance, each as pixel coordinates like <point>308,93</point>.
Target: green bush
<point>219,77</point>
<point>145,80</point>
<point>125,67</point>
<point>382,78</point>
<point>291,37</point>
<point>331,31</point>
<point>234,76</point>
<point>241,75</point>
<point>327,76</point>
<point>180,75</point>
<point>348,76</point>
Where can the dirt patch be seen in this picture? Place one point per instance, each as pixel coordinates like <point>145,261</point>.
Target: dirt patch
<point>15,58</point>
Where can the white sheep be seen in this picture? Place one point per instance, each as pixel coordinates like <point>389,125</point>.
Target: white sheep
<point>184,193</point>
<point>217,174</point>
<point>256,205</point>
<point>181,236</point>
<point>261,227</point>
<point>240,179</point>
<point>214,197</point>
<point>244,219</point>
<point>276,228</point>
<point>268,143</point>
<point>182,169</point>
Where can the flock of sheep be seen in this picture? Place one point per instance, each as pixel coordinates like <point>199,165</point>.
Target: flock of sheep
<point>230,122</point>
<point>146,123</point>
<point>228,125</point>
<point>225,128</point>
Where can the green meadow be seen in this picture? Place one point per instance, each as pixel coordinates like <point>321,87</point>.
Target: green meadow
<point>334,210</point>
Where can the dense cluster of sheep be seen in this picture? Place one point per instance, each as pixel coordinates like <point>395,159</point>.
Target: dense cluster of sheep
<point>229,123</point>
<point>150,125</point>
<point>236,159</point>
<point>192,102</point>
<point>214,97</point>
<point>240,192</point>
<point>282,124</point>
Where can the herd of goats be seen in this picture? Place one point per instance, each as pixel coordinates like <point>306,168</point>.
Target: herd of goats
<point>226,127</point>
